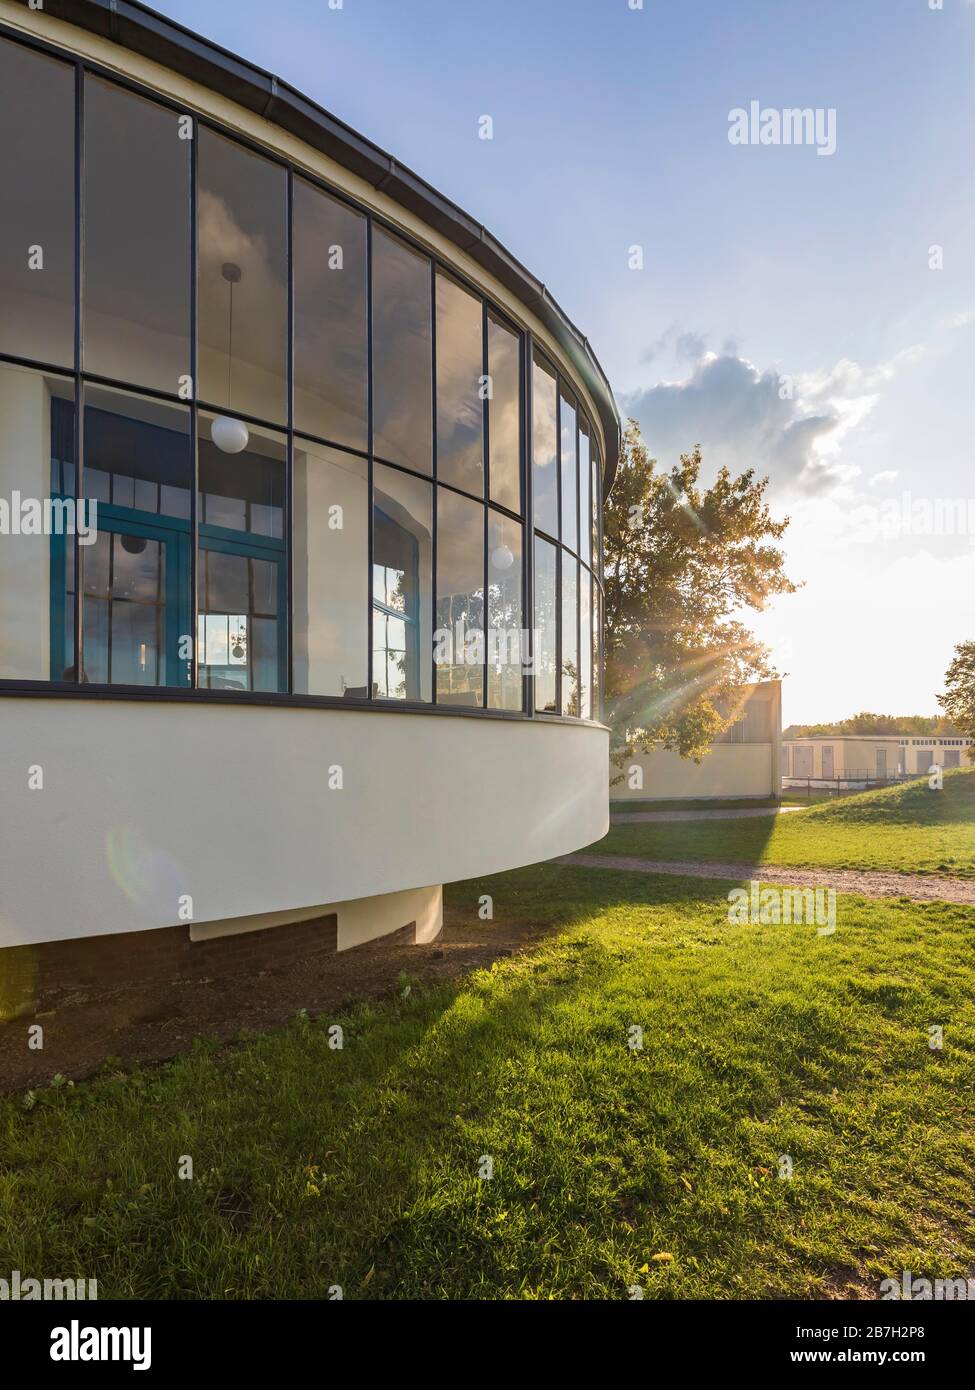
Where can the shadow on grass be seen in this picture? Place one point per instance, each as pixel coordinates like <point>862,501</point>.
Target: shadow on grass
<point>602,1155</point>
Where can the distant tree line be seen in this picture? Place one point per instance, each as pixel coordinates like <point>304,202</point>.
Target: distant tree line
<point>869,725</point>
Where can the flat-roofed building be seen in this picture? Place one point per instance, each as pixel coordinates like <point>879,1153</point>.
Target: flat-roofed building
<point>741,764</point>
<point>876,758</point>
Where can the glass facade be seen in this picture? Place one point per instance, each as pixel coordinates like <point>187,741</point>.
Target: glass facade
<point>567,516</point>
<point>271,446</point>
<point>137,263</point>
<point>38,226</point>
<point>331,336</point>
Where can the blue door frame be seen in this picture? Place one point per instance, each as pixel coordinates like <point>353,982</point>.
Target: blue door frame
<point>174,534</point>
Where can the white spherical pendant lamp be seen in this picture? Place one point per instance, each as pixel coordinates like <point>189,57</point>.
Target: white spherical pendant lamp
<point>501,558</point>
<point>230,435</point>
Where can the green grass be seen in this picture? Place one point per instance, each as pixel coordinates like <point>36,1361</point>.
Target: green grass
<point>905,829</point>
<point>316,1167</point>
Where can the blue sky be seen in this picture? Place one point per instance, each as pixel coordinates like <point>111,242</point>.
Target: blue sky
<point>787,316</point>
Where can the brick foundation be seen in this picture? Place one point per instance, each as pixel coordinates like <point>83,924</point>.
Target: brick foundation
<point>27,973</point>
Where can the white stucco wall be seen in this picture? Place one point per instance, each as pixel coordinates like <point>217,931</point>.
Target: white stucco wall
<point>730,770</point>
<point>145,802</point>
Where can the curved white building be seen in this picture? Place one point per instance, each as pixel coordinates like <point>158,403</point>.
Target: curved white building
<point>300,488</point>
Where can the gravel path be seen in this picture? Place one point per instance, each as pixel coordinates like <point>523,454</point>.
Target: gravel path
<point>742,813</point>
<point>871,883</point>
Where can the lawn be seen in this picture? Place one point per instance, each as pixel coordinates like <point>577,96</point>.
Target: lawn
<point>907,829</point>
<point>359,1167</point>
<point>747,803</point>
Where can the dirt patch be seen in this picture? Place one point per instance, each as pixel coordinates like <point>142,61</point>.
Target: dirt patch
<point>870,883</point>
<point>151,1023</point>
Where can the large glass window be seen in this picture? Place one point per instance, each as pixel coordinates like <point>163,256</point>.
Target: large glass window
<point>137,240</point>
<point>402,586</point>
<point>136,577</point>
<point>597,627</point>
<point>402,363</point>
<point>331,572</point>
<point>569,471</point>
<point>504,414</point>
<point>508,649</point>
<point>443,371</point>
<point>243,280</point>
<point>546,626</point>
<point>459,636</point>
<point>37,215</point>
<point>570,634</point>
<point>242,563</point>
<point>585,492</point>
<point>331,318</point>
<point>597,496</point>
<point>545,472</point>
<point>585,644</point>
<point>37,541</point>
<point>460,386</point>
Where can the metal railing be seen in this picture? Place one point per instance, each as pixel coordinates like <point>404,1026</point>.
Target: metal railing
<point>855,779</point>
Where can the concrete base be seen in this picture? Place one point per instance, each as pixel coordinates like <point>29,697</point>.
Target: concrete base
<point>359,919</point>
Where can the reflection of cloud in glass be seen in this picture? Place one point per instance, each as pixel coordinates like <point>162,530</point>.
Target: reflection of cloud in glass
<point>545,447</point>
<point>331,330</point>
<point>460,366</point>
<point>504,412</point>
<point>243,222</point>
<point>402,338</point>
<point>222,241</point>
<point>544,414</point>
<point>569,446</point>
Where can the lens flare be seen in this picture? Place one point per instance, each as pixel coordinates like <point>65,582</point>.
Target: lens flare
<point>18,977</point>
<point>147,875</point>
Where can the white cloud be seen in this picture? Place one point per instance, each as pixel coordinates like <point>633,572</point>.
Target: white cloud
<point>684,344</point>
<point>793,429</point>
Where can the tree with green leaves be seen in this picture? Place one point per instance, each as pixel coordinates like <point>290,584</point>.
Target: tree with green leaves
<point>958,701</point>
<point>682,563</point>
<point>867,725</point>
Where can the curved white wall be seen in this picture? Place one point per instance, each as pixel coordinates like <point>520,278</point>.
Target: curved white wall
<point>144,802</point>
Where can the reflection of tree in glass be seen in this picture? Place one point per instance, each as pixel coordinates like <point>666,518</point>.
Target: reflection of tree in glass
<point>397,597</point>
<point>505,605</point>
<point>399,665</point>
<point>461,615</point>
<point>571,672</point>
